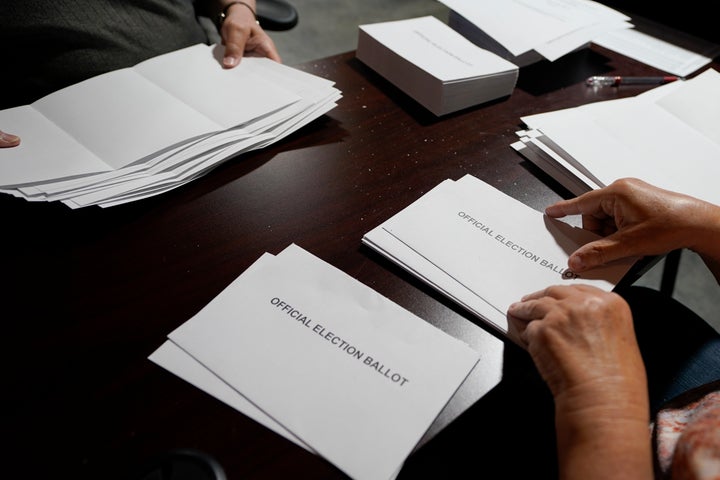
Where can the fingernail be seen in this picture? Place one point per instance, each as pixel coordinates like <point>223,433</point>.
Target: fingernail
<point>230,61</point>
<point>576,263</point>
<point>9,139</point>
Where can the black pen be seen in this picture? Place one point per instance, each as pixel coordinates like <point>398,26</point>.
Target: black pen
<point>615,80</point>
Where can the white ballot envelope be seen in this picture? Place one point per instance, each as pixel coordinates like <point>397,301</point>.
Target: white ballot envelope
<point>352,375</point>
<point>485,249</point>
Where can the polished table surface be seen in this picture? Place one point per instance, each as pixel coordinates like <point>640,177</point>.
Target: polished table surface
<point>88,294</point>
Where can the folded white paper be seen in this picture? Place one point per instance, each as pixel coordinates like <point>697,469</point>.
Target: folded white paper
<point>143,130</point>
<point>525,31</point>
<point>661,47</point>
<point>667,136</point>
<point>334,363</point>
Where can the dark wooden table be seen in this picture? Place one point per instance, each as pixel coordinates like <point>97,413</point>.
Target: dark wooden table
<point>88,294</point>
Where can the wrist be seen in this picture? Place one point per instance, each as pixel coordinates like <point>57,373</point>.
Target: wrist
<point>608,441</point>
<point>615,449</point>
<point>704,237</point>
<point>224,8</point>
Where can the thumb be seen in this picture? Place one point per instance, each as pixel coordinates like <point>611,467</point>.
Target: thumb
<point>599,252</point>
<point>234,50</point>
<point>8,140</point>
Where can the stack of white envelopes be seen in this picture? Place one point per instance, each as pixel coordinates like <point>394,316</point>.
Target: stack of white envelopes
<point>668,136</point>
<point>484,249</point>
<point>527,31</point>
<point>325,361</point>
<point>141,131</point>
<point>434,64</point>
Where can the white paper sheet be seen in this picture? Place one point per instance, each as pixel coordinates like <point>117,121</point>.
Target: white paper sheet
<point>117,136</point>
<point>176,360</point>
<point>667,136</point>
<point>675,53</point>
<point>522,25</point>
<point>329,359</point>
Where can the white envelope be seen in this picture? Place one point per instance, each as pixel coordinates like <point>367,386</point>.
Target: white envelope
<point>351,374</point>
<point>486,249</point>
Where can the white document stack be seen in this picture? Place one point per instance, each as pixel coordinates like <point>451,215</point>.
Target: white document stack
<point>484,249</point>
<point>323,360</point>
<point>668,136</point>
<point>141,131</point>
<point>527,31</point>
<point>435,65</point>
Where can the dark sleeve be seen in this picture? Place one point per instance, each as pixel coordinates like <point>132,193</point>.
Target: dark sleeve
<point>56,43</point>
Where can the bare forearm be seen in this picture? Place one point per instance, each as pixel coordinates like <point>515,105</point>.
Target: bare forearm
<point>601,449</point>
<point>603,430</point>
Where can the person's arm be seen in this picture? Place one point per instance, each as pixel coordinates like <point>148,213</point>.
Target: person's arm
<point>639,219</point>
<point>583,343</point>
<point>8,140</point>
<point>240,32</point>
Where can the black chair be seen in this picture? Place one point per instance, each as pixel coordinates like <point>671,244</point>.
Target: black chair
<point>184,464</point>
<point>276,15</point>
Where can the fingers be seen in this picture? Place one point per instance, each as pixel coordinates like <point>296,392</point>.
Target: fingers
<point>563,208</point>
<point>555,304</point>
<point>632,242</point>
<point>8,140</point>
<point>234,37</point>
<point>596,207</point>
<point>621,213</point>
<point>262,45</point>
<point>530,308</point>
<point>588,203</point>
<point>595,254</point>
<point>536,305</point>
<point>241,34</point>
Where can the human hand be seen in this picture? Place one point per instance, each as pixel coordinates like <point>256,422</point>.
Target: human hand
<point>8,140</point>
<point>583,343</point>
<point>241,34</point>
<point>580,337</point>
<point>638,219</point>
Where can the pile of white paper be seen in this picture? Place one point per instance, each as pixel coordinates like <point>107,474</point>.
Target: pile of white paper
<point>484,249</point>
<point>434,64</point>
<point>323,360</point>
<point>137,132</point>
<point>526,31</point>
<point>668,136</point>
<point>669,50</point>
